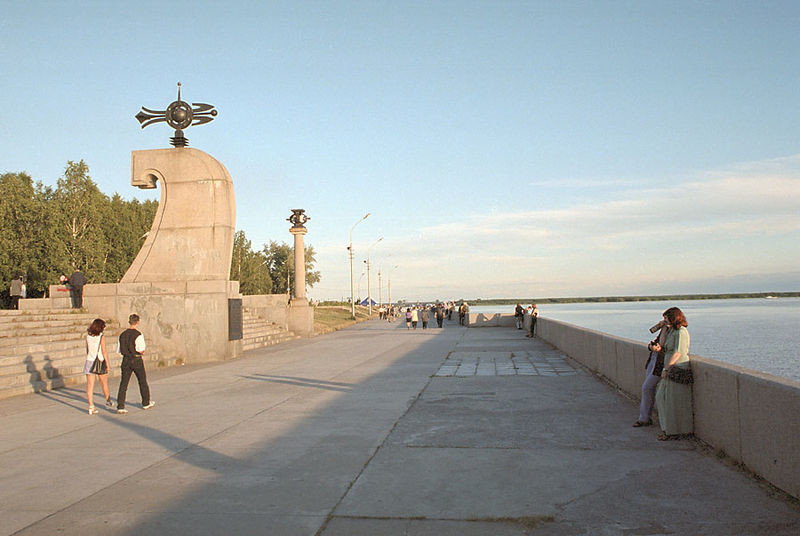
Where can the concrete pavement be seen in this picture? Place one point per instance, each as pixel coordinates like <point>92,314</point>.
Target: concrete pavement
<point>370,430</point>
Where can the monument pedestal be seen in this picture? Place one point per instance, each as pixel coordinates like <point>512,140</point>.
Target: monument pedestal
<point>301,318</point>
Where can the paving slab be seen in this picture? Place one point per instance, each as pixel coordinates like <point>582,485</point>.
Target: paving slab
<point>370,430</point>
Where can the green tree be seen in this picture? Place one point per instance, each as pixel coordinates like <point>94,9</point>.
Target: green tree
<point>249,268</point>
<point>280,261</point>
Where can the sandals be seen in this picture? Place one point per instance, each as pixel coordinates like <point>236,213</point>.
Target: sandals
<point>639,424</point>
<point>667,437</point>
<point>93,410</point>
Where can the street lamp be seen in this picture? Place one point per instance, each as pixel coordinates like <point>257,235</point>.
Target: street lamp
<point>390,283</point>
<point>350,249</point>
<point>358,291</point>
<point>380,285</point>
<point>369,290</point>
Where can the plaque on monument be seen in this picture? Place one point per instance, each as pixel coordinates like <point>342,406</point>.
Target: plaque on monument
<point>235,319</point>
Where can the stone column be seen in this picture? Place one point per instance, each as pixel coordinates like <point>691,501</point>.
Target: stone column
<point>301,316</point>
<point>299,264</point>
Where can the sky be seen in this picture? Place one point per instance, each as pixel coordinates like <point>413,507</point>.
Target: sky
<point>503,149</point>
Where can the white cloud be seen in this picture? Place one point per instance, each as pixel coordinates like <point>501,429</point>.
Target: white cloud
<point>714,224</point>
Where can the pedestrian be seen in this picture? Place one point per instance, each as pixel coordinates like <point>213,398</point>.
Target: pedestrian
<point>408,318</point>
<point>534,316</point>
<point>463,311</point>
<point>425,316</point>
<point>132,347</point>
<point>15,290</point>
<point>76,282</point>
<point>519,315</point>
<point>450,307</point>
<point>96,364</point>
<point>653,369</point>
<point>674,392</point>
<point>439,314</point>
<point>414,317</point>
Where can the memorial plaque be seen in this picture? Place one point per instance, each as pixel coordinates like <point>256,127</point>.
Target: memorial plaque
<point>235,320</point>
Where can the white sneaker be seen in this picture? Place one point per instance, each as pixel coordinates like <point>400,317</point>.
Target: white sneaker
<point>150,405</point>
<point>122,410</point>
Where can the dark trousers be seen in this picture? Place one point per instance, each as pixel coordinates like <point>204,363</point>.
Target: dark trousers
<point>532,329</point>
<point>424,324</point>
<point>439,320</point>
<point>76,293</point>
<point>133,365</point>
<point>15,302</point>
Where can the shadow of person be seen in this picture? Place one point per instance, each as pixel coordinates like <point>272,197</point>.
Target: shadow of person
<point>36,375</point>
<point>52,373</point>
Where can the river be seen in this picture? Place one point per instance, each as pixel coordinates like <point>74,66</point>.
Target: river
<point>759,334</point>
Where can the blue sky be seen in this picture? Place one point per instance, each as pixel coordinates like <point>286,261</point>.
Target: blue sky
<point>503,149</point>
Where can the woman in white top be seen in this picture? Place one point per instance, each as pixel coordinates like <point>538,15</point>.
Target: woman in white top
<point>96,349</point>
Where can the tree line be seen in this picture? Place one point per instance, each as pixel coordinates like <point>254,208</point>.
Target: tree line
<point>46,232</point>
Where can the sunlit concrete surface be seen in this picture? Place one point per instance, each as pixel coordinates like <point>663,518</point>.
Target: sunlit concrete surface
<point>363,431</point>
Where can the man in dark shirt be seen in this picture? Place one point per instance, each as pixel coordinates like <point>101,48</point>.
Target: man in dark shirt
<point>76,282</point>
<point>132,347</point>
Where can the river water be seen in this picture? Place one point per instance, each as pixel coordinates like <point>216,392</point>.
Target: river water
<point>759,334</point>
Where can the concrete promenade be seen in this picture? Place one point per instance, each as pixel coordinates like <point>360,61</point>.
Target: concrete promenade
<point>372,430</point>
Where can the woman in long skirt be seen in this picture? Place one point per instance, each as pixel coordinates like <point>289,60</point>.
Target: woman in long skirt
<point>674,398</point>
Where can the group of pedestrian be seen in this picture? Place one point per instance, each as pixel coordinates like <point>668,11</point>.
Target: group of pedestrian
<point>526,316</point>
<point>132,346</point>
<point>423,314</point>
<point>668,379</point>
<point>18,290</point>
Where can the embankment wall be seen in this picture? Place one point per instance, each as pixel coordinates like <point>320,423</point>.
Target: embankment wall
<point>751,416</point>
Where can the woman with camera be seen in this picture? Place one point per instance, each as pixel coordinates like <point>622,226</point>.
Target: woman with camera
<point>653,367</point>
<point>674,393</point>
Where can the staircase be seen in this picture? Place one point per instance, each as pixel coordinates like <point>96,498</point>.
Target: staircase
<point>258,332</point>
<point>44,350</point>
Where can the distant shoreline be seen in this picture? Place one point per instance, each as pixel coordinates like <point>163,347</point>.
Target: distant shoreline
<point>616,299</point>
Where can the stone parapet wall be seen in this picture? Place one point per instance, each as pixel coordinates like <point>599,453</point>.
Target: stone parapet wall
<point>751,416</point>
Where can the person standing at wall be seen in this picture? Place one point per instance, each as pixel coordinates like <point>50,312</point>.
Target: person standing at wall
<point>674,392</point>
<point>653,370</point>
<point>519,315</point>
<point>15,290</point>
<point>534,316</point>
<point>76,283</point>
<point>132,347</point>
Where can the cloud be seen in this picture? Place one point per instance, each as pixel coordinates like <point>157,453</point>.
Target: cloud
<point>718,225</point>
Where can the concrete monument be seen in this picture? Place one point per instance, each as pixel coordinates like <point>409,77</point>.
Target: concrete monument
<point>178,283</point>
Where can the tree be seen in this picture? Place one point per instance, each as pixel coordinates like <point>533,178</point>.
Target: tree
<point>249,267</point>
<point>280,261</point>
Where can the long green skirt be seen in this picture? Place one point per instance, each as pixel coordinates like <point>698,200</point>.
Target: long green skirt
<point>674,402</point>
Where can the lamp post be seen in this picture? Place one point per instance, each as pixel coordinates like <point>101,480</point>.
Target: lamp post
<point>369,290</point>
<point>380,285</point>
<point>359,285</point>
<point>350,249</point>
<point>390,283</point>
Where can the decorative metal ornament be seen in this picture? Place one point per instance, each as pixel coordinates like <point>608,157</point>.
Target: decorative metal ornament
<point>298,218</point>
<point>179,115</point>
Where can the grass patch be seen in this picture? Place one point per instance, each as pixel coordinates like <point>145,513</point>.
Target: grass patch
<point>328,318</point>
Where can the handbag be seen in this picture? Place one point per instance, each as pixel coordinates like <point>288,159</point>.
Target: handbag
<point>99,367</point>
<point>680,375</point>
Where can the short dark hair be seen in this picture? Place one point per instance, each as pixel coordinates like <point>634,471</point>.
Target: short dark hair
<point>97,327</point>
<point>133,319</point>
<point>675,318</point>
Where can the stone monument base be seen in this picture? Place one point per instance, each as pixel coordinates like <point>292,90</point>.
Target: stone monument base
<point>301,318</point>
<point>184,320</point>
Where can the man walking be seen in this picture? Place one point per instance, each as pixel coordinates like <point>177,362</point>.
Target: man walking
<point>132,347</point>
<point>76,282</point>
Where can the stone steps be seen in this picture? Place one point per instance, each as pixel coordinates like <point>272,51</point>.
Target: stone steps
<point>47,350</point>
<point>258,333</point>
